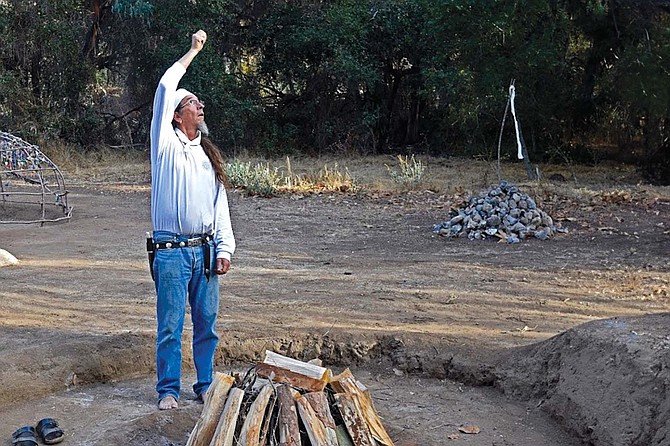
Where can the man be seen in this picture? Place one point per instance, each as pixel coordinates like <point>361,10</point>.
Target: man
<point>190,217</point>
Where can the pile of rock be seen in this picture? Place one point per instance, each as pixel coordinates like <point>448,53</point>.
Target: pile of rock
<point>504,212</point>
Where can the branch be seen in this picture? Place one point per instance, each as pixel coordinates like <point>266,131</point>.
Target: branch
<point>119,117</point>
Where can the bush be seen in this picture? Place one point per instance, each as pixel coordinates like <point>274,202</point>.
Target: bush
<point>409,173</point>
<point>259,179</point>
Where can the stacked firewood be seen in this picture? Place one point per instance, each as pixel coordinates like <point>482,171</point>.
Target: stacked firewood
<point>286,402</point>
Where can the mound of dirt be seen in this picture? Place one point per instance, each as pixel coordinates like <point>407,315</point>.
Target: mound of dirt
<point>41,362</point>
<point>606,381</point>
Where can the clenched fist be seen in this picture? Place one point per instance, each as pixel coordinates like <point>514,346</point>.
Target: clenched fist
<point>222,266</point>
<point>198,40</point>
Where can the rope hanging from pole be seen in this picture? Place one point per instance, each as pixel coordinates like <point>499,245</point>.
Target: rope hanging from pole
<point>522,153</point>
<point>517,128</point>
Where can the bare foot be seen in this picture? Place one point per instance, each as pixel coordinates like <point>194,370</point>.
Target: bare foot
<point>168,403</point>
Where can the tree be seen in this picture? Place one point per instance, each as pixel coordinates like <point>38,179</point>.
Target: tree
<point>368,76</point>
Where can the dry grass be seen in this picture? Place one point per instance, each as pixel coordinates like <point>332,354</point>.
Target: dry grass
<point>444,175</point>
<point>329,177</point>
<point>100,164</point>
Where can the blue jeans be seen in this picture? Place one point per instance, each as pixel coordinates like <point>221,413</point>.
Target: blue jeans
<point>180,275</point>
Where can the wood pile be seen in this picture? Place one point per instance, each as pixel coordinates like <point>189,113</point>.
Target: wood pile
<point>286,402</point>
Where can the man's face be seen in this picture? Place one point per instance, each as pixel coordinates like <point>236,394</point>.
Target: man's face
<point>190,113</point>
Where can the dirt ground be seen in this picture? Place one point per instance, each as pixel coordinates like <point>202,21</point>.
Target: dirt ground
<point>436,327</point>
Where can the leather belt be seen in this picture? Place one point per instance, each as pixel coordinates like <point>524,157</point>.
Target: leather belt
<point>190,243</point>
<point>202,240</point>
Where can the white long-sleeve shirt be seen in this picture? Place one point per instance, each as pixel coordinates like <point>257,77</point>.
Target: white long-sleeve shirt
<point>185,196</point>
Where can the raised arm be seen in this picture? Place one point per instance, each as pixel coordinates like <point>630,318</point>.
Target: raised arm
<point>163,108</point>
<point>197,42</point>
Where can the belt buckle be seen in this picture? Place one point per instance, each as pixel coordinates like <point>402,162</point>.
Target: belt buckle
<point>193,242</point>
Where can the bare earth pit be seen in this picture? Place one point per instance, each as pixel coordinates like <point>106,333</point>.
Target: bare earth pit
<point>446,332</point>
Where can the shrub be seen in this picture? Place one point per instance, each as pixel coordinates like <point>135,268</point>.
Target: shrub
<point>258,179</point>
<point>409,173</point>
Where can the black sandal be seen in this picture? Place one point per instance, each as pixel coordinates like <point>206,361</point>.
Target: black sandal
<point>24,436</point>
<point>49,431</point>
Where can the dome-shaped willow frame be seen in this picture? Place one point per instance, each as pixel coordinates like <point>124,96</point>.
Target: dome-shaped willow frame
<point>28,178</point>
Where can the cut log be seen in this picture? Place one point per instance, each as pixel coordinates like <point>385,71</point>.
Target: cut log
<point>289,432</point>
<point>269,414</point>
<point>319,403</point>
<point>294,379</point>
<point>226,428</point>
<point>351,414</point>
<point>346,383</point>
<point>294,365</point>
<point>317,432</point>
<point>372,417</point>
<point>251,429</point>
<point>215,399</point>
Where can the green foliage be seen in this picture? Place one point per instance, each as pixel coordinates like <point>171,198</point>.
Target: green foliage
<point>345,76</point>
<point>132,8</point>
<point>259,179</point>
<point>40,60</point>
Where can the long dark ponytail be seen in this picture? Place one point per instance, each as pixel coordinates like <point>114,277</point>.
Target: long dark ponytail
<point>215,157</point>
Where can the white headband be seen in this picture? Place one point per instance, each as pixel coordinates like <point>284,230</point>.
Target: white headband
<point>179,95</point>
